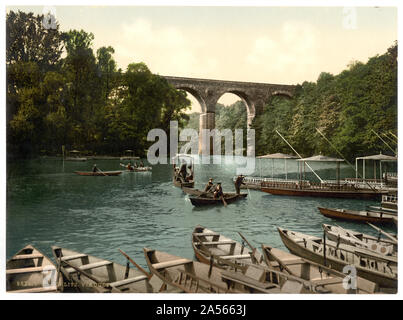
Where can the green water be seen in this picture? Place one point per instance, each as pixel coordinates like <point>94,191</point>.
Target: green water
<point>47,204</point>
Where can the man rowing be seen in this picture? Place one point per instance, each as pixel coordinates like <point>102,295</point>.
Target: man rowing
<point>218,192</point>
<point>94,168</point>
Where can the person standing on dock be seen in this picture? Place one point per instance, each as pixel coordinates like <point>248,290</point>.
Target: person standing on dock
<point>238,182</point>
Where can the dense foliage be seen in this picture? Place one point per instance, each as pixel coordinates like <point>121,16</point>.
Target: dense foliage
<point>347,108</point>
<point>79,99</point>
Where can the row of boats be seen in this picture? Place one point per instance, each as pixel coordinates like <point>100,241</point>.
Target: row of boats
<point>223,265</point>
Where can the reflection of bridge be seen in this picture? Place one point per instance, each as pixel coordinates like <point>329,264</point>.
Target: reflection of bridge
<point>208,92</point>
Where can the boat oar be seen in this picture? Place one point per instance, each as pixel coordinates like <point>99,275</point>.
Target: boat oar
<point>254,259</point>
<point>102,172</point>
<point>384,233</point>
<point>149,275</point>
<point>267,253</point>
<point>223,201</point>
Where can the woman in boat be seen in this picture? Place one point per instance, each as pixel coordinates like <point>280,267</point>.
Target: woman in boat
<point>209,186</point>
<point>218,193</point>
<point>238,182</point>
<point>141,164</point>
<point>94,168</point>
<point>183,173</point>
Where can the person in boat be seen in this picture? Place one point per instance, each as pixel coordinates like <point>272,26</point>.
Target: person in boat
<point>182,173</point>
<point>238,182</point>
<point>94,168</point>
<point>130,167</point>
<point>190,176</point>
<point>141,164</point>
<point>218,193</point>
<point>209,186</point>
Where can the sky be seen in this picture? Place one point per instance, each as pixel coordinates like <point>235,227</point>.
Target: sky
<point>281,45</point>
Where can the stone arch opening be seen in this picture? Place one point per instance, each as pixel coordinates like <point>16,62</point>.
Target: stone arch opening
<point>195,94</point>
<point>247,102</point>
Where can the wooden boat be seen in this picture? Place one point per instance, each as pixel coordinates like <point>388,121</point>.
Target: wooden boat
<point>98,173</point>
<point>208,200</point>
<point>90,274</point>
<point>376,244</point>
<point>187,275</point>
<point>187,184</point>
<point>208,244</point>
<point>324,192</point>
<point>30,271</point>
<point>142,169</point>
<point>183,159</point>
<point>357,216</point>
<point>248,270</point>
<point>75,159</point>
<point>322,279</point>
<point>374,268</point>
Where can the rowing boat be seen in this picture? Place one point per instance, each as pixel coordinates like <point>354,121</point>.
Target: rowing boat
<point>208,244</point>
<point>208,200</point>
<point>98,173</point>
<point>30,271</point>
<point>187,275</point>
<point>323,192</point>
<point>374,268</point>
<point>248,270</point>
<point>322,279</point>
<point>90,274</point>
<point>376,244</point>
<point>357,216</point>
<point>187,184</point>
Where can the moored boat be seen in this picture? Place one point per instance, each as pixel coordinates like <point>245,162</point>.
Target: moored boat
<point>368,266</point>
<point>98,173</point>
<point>30,271</point>
<point>208,244</point>
<point>357,216</point>
<point>187,275</point>
<point>323,191</point>
<point>90,274</point>
<point>208,200</point>
<point>321,278</point>
<point>376,244</point>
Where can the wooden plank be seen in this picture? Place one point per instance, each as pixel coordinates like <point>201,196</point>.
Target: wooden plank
<point>29,270</point>
<point>128,281</point>
<point>35,290</point>
<point>236,256</point>
<point>198,234</point>
<point>169,264</point>
<point>242,279</point>
<point>73,257</point>
<point>212,243</point>
<point>89,266</point>
<point>27,256</point>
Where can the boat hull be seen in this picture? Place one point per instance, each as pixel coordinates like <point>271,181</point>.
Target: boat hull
<point>323,193</point>
<point>353,216</point>
<point>98,174</point>
<point>200,201</point>
<point>382,281</point>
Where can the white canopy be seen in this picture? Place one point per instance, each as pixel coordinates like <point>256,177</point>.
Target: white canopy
<point>321,158</point>
<point>380,157</point>
<point>277,156</point>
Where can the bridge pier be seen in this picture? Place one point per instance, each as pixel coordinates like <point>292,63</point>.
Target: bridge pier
<point>207,121</point>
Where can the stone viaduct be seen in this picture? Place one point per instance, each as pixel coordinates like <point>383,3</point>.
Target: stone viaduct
<point>208,92</point>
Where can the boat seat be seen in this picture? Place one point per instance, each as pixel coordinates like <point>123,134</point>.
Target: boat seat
<point>169,264</point>
<point>212,243</point>
<point>128,281</point>
<point>236,256</point>
<point>89,266</point>
<point>35,290</point>
<point>328,281</point>
<point>29,270</point>
<point>27,256</point>
<point>73,257</point>
<point>198,234</point>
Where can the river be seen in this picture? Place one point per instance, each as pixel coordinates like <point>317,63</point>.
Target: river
<point>47,204</point>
